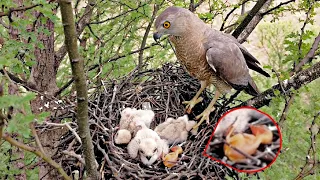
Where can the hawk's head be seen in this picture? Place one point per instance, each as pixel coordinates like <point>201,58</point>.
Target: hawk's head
<point>172,21</point>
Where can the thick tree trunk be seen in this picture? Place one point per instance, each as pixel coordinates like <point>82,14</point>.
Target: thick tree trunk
<point>44,72</point>
<point>42,79</point>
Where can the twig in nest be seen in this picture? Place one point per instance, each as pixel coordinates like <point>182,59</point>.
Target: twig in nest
<point>106,157</point>
<point>34,132</point>
<point>68,126</point>
<point>73,154</point>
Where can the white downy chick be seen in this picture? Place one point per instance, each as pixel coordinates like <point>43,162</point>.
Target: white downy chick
<point>123,136</point>
<point>130,118</point>
<point>148,145</point>
<point>175,130</point>
<point>145,116</point>
<point>126,117</point>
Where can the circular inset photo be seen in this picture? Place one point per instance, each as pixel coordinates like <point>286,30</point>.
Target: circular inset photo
<point>245,139</point>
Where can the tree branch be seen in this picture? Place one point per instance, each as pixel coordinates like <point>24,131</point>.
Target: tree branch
<point>47,159</point>
<point>253,23</point>
<point>81,24</point>
<point>311,162</point>
<point>145,36</point>
<point>104,62</point>
<point>310,54</point>
<point>277,7</point>
<point>286,109</point>
<point>295,82</point>
<point>248,18</point>
<point>14,78</point>
<point>36,137</point>
<point>193,6</point>
<point>121,56</point>
<point>77,66</point>
<point>24,8</point>
<point>119,15</point>
<point>64,87</point>
<point>229,13</point>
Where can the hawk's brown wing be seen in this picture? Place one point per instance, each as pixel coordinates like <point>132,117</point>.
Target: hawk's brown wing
<point>228,62</point>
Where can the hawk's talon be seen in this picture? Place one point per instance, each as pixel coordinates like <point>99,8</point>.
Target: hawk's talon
<point>191,104</point>
<point>204,116</point>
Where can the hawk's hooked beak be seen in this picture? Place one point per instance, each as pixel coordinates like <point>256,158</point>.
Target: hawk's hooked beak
<point>156,36</point>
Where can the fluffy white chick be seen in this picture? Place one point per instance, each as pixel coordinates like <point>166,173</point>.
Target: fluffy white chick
<point>145,116</point>
<point>128,127</point>
<point>130,117</point>
<point>123,136</point>
<point>126,117</point>
<point>175,130</point>
<point>148,145</point>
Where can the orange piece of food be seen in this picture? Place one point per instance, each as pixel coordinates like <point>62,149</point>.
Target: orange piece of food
<point>263,133</point>
<point>246,143</point>
<point>171,159</point>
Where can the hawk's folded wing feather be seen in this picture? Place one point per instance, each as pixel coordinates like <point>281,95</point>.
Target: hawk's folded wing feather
<point>227,60</point>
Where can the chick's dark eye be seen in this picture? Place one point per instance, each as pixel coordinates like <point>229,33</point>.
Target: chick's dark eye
<point>141,152</point>
<point>166,24</point>
<point>155,150</point>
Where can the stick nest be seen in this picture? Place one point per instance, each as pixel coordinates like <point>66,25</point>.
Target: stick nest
<point>164,90</point>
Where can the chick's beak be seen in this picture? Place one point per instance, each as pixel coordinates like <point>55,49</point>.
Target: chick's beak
<point>156,36</point>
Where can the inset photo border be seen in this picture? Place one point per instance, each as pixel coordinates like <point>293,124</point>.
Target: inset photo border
<point>245,139</point>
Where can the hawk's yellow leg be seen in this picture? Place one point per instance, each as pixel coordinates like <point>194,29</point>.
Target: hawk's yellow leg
<point>205,114</point>
<point>196,99</point>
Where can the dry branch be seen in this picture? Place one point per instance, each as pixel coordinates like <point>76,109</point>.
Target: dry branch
<point>15,78</point>
<point>145,36</point>
<point>230,12</point>
<point>248,18</point>
<point>119,15</point>
<point>77,66</point>
<point>253,23</point>
<point>277,7</point>
<point>23,8</point>
<point>310,54</point>
<point>312,161</point>
<point>295,82</point>
<point>36,137</point>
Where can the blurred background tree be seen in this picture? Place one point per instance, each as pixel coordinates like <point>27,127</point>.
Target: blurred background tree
<point>115,38</point>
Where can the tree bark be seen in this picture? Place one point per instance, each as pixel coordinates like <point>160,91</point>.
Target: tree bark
<point>44,72</point>
<point>83,22</point>
<point>248,18</point>
<point>253,23</point>
<point>77,66</point>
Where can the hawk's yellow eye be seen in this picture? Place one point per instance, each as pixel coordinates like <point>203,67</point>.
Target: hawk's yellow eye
<point>166,24</point>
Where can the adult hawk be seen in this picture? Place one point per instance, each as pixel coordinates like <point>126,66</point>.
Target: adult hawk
<point>211,56</point>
